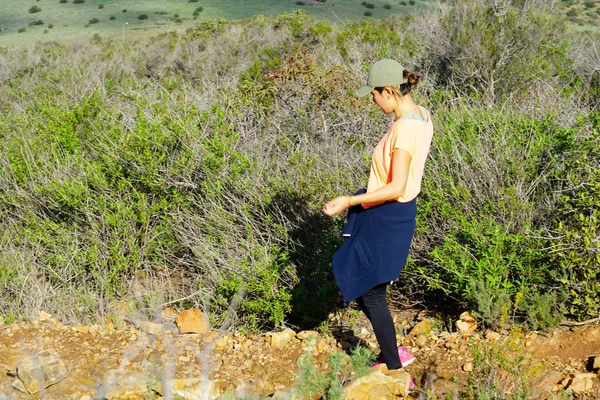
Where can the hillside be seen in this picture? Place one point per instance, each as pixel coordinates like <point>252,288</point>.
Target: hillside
<point>189,169</point>
<point>66,21</point>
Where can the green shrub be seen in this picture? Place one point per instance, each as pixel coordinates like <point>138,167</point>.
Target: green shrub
<point>387,6</point>
<point>577,225</point>
<point>370,6</point>
<point>197,11</point>
<point>142,16</point>
<point>50,26</point>
<point>112,18</point>
<point>63,1</point>
<point>100,6</point>
<point>78,1</point>
<point>368,13</point>
<point>21,30</point>
<point>38,22</point>
<point>93,21</point>
<point>411,2</point>
<point>403,3</point>
<point>300,3</point>
<point>34,9</point>
<point>178,20</point>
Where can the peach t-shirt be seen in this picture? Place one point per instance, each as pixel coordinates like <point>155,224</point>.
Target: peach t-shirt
<point>409,134</point>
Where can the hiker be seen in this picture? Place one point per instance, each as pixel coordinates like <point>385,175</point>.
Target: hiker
<point>381,220</point>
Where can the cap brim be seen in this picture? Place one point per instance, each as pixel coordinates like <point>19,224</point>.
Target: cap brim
<point>365,90</point>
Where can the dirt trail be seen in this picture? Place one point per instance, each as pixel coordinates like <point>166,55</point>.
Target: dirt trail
<point>265,364</point>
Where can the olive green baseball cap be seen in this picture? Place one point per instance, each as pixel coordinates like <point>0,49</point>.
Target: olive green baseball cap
<point>384,72</point>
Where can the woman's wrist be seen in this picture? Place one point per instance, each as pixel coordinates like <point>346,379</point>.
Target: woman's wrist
<point>349,201</point>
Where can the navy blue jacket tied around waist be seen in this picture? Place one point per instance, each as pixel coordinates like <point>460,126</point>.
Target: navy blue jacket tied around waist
<point>377,249</point>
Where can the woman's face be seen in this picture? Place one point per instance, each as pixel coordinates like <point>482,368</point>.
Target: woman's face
<point>385,100</point>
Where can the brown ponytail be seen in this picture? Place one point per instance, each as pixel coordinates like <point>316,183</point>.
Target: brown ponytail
<point>412,80</point>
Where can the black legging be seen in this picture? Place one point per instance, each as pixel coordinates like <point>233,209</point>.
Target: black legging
<point>374,305</point>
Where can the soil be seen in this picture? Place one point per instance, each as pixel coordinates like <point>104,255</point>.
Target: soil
<point>447,363</point>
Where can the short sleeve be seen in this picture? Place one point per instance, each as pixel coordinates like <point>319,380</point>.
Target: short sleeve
<point>403,139</point>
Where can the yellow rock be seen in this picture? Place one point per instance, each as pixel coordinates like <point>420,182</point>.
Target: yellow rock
<point>379,384</point>
<point>192,321</point>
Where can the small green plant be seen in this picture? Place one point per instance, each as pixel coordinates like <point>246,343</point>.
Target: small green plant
<point>403,3</point>
<point>9,319</point>
<point>411,2</point>
<point>100,6</point>
<point>370,6</point>
<point>124,10</point>
<point>63,1</point>
<point>300,3</point>
<point>50,26</point>
<point>387,6</point>
<point>93,21</point>
<point>112,18</point>
<point>197,11</point>
<point>38,22</point>
<point>78,1</point>
<point>193,1</point>
<point>34,9</point>
<point>178,20</point>
<point>21,30</point>
<point>143,16</point>
<point>368,13</point>
<point>329,384</point>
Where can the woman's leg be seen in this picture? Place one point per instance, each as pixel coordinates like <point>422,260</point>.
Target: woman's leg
<point>374,305</point>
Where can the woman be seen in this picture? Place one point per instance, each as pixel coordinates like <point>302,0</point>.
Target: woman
<point>384,215</point>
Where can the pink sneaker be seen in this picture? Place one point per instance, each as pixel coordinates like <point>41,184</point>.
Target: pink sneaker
<point>411,385</point>
<point>405,359</point>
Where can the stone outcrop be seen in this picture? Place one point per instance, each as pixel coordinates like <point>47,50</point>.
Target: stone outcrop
<point>379,384</point>
<point>192,321</point>
<point>40,371</point>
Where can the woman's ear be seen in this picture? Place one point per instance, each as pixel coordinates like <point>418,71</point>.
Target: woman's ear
<point>387,93</point>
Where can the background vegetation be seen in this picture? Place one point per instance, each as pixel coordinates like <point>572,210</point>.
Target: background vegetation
<point>191,168</point>
<point>70,17</point>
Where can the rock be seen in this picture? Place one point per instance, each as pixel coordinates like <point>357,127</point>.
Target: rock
<point>40,371</point>
<point>122,383</point>
<point>421,340</point>
<point>492,336</point>
<point>280,339</point>
<point>596,365</point>
<point>192,321</point>
<point>43,316</point>
<point>546,384</point>
<point>192,389</point>
<point>222,342</point>
<point>581,385</point>
<point>422,328</point>
<point>94,329</point>
<point>468,367</point>
<point>151,328</point>
<point>209,337</point>
<point>379,384</point>
<point>305,335</point>
<point>467,323</point>
<point>18,384</point>
<point>169,314</point>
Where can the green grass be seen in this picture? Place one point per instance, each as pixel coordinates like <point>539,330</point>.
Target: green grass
<point>70,19</point>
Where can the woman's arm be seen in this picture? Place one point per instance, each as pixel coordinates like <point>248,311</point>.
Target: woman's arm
<point>391,191</point>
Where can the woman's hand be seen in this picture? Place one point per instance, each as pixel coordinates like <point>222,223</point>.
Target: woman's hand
<point>336,206</point>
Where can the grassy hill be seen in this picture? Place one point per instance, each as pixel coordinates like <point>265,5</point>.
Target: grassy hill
<point>117,18</point>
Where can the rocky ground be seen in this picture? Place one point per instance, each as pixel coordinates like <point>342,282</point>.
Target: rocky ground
<point>178,356</point>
